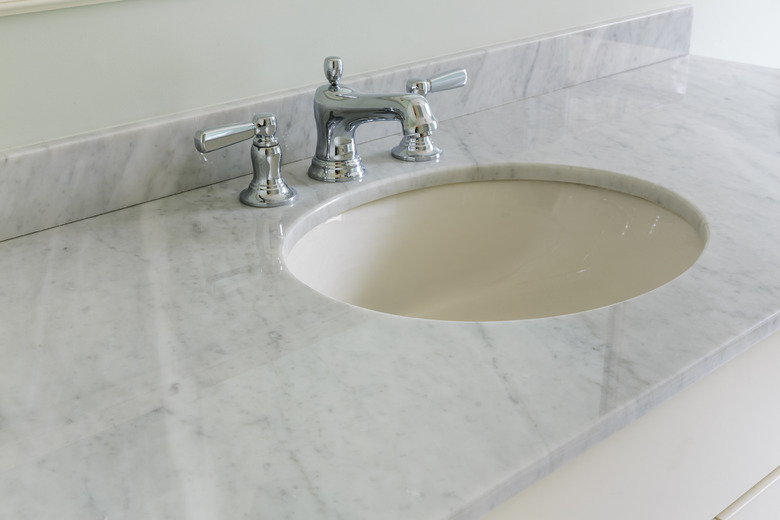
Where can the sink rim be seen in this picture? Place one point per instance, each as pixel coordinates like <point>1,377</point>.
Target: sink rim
<point>362,194</point>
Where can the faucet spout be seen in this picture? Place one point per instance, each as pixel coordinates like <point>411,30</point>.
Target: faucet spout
<point>353,109</point>
<point>339,111</point>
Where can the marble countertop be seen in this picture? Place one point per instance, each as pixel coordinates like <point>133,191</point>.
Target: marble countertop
<point>160,362</point>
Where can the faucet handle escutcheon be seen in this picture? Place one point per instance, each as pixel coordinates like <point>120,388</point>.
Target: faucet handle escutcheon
<point>420,148</point>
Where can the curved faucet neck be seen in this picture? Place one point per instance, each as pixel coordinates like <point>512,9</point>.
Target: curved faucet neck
<point>343,107</point>
<point>339,110</point>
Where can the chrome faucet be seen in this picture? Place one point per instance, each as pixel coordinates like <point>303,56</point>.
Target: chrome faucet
<point>267,188</point>
<point>339,110</point>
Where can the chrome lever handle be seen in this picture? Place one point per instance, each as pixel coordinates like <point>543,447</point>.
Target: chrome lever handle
<point>216,138</point>
<point>267,188</point>
<point>262,126</point>
<point>445,81</point>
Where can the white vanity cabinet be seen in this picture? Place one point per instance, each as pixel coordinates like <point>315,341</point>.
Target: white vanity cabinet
<point>691,458</point>
<point>761,502</point>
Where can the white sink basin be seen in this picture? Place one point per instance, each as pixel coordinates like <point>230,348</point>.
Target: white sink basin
<point>508,249</point>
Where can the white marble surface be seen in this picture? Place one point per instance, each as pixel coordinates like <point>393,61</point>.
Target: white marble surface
<point>61,181</point>
<point>158,362</point>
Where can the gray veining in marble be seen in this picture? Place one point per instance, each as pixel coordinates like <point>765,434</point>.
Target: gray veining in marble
<point>160,363</point>
<point>61,181</point>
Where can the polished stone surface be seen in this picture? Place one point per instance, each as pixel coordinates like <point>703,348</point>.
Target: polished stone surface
<point>61,181</point>
<point>160,362</point>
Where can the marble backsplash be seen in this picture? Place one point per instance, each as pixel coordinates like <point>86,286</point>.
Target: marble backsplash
<point>61,181</point>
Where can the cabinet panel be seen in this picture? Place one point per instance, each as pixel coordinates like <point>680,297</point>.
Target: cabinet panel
<point>760,503</point>
<point>689,458</point>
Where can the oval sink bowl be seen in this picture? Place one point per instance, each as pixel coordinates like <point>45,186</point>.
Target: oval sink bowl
<point>530,242</point>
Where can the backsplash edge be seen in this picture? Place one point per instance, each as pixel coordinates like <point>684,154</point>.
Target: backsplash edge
<point>53,183</point>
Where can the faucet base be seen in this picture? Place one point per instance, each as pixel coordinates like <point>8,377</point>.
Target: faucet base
<point>268,195</point>
<point>416,149</point>
<point>337,170</point>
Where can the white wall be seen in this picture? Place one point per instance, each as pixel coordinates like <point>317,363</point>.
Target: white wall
<point>737,30</point>
<point>73,70</point>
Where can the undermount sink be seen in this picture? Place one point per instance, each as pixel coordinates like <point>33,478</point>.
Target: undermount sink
<point>501,243</point>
